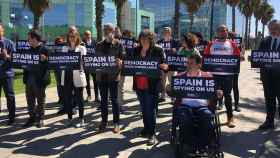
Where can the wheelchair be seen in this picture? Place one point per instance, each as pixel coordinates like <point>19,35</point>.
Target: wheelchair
<point>184,150</point>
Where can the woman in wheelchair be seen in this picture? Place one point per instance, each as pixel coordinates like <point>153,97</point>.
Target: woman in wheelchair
<point>194,116</point>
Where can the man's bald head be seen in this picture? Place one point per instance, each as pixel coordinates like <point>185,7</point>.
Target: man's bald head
<point>274,28</point>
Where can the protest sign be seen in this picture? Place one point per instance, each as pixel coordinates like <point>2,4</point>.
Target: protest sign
<point>261,58</point>
<point>221,63</point>
<point>24,59</point>
<point>64,60</point>
<point>141,66</point>
<point>176,62</point>
<point>97,63</point>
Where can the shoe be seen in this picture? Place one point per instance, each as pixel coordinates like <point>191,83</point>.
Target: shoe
<point>98,108</point>
<point>219,108</point>
<point>61,112</point>
<point>160,100</point>
<point>11,122</point>
<point>74,111</point>
<point>230,123</point>
<point>267,125</point>
<point>69,123</point>
<point>30,122</point>
<point>237,109</point>
<point>40,124</point>
<point>88,98</point>
<point>151,140</point>
<point>116,128</point>
<point>143,133</point>
<point>102,127</point>
<point>81,123</point>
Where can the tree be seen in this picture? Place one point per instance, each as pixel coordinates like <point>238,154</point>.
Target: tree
<point>99,11</point>
<point>37,7</point>
<point>246,7</point>
<point>268,13</point>
<point>119,5</point>
<point>192,7</point>
<point>233,4</point>
<point>177,19</point>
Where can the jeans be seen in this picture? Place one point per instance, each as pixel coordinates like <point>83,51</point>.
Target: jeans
<point>148,104</point>
<point>35,93</point>
<point>112,88</point>
<point>72,95</point>
<point>7,84</point>
<point>95,84</point>
<point>225,82</point>
<point>59,87</point>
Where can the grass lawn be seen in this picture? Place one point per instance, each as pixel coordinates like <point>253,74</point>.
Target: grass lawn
<point>19,87</point>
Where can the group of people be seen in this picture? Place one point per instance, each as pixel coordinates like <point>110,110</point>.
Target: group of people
<point>150,90</point>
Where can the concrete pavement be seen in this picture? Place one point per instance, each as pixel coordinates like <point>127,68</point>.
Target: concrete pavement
<point>55,140</point>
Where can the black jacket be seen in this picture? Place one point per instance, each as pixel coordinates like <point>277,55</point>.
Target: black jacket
<point>154,82</point>
<point>41,73</point>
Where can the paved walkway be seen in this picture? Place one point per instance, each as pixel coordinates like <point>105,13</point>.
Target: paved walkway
<point>55,140</point>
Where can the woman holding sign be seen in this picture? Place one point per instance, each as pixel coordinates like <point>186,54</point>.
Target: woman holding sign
<point>74,81</point>
<point>146,87</point>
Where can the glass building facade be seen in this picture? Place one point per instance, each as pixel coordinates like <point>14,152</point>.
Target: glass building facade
<point>164,11</point>
<point>55,21</point>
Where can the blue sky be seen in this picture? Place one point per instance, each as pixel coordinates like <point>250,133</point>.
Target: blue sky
<point>276,5</point>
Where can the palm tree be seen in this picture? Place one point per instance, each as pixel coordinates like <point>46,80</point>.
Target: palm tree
<point>193,7</point>
<point>267,15</point>
<point>119,5</point>
<point>177,19</point>
<point>233,4</point>
<point>246,7</point>
<point>99,11</point>
<point>37,7</point>
<point>258,15</point>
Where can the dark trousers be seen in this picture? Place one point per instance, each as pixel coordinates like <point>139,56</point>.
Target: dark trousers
<point>57,74</point>
<point>236,89</point>
<point>225,82</point>
<point>7,84</point>
<point>148,104</point>
<point>72,95</point>
<point>112,88</point>
<point>195,125</point>
<point>271,86</point>
<point>95,85</point>
<point>36,100</point>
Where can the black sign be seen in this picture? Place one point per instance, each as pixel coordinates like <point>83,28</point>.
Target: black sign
<point>128,44</point>
<point>22,45</point>
<point>221,63</point>
<point>96,63</point>
<point>166,46</point>
<point>201,48</point>
<point>24,59</point>
<point>90,49</point>
<point>176,62</point>
<point>260,58</point>
<point>238,41</point>
<point>141,66</point>
<point>54,48</point>
<point>64,60</point>
<point>193,87</point>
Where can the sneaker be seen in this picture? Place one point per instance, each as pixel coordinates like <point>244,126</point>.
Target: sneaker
<point>98,108</point>
<point>81,123</point>
<point>116,128</point>
<point>102,127</point>
<point>230,123</point>
<point>11,122</point>
<point>69,123</point>
<point>40,124</point>
<point>30,122</point>
<point>267,125</point>
<point>237,109</point>
<point>151,140</point>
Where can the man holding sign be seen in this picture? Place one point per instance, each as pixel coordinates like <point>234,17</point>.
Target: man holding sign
<point>36,79</point>
<point>109,49</point>
<point>222,48</point>
<point>270,76</point>
<point>7,74</point>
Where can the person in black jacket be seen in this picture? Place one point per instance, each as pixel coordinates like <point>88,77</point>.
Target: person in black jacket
<point>147,88</point>
<point>270,76</point>
<point>36,79</point>
<point>91,43</point>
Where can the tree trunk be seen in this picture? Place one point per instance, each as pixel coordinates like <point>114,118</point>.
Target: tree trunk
<point>99,10</point>
<point>256,27</point>
<point>249,32</point>
<point>246,32</point>
<point>36,22</point>
<point>212,19</point>
<point>191,22</point>
<point>263,27</point>
<point>177,20</point>
<point>233,19</point>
